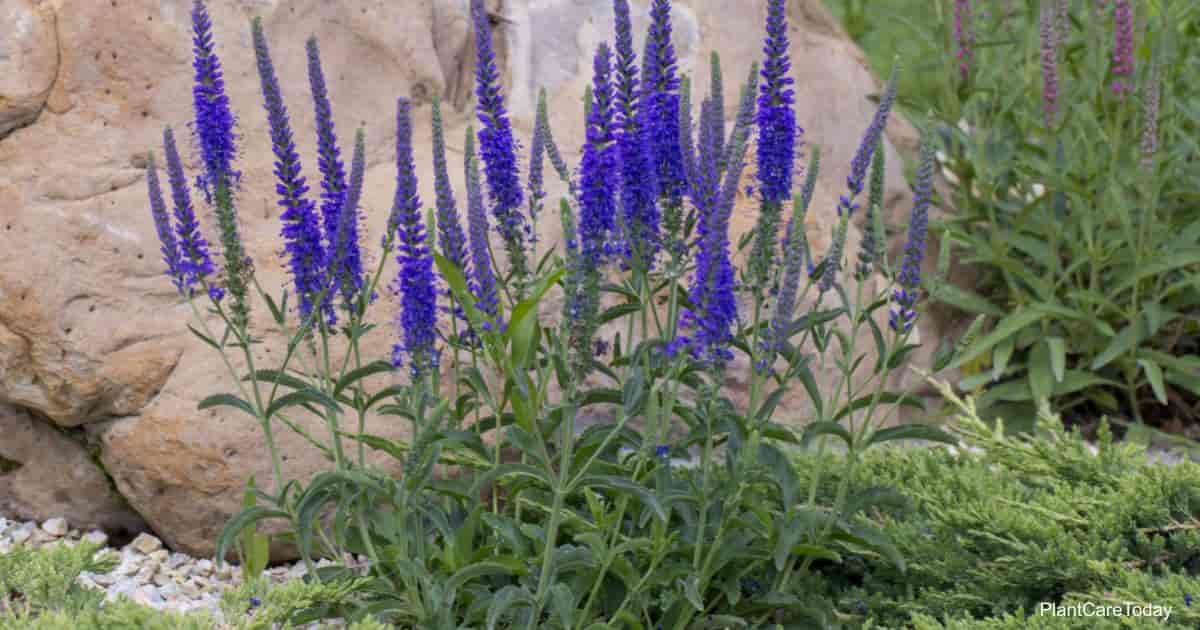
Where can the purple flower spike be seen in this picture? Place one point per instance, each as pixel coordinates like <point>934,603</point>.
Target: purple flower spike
<point>162,224</point>
<point>904,313</point>
<point>712,291</point>
<point>855,180</point>
<point>329,162</point>
<point>497,146</point>
<point>795,253</point>
<point>638,184</point>
<point>346,265</point>
<point>450,232</point>
<point>1049,52</point>
<point>1122,60</point>
<point>659,105</point>
<point>415,283</point>
<point>536,182</point>
<point>195,263</point>
<point>597,215</point>
<point>214,121</point>
<point>964,37</point>
<point>301,232</point>
<point>777,130</point>
<point>483,282</point>
<point>1151,108</point>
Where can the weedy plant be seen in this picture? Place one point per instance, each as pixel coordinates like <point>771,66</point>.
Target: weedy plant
<point>538,523</point>
<point>1070,137</point>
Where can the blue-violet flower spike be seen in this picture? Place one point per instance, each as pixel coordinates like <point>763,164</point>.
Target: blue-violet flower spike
<point>301,231</point>
<point>214,121</point>
<point>195,263</point>
<point>904,313</point>
<point>415,283</point>
<point>162,225</point>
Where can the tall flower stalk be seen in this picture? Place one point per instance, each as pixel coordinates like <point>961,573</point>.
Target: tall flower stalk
<point>640,215</point>
<point>451,238</point>
<point>1049,51</point>
<point>195,264</point>
<point>777,137</point>
<point>658,113</point>
<point>333,175</point>
<point>415,283</point>
<point>854,183</point>
<point>498,146</point>
<point>483,282</point>
<point>301,228</point>
<point>162,225</point>
<point>1122,56</point>
<point>597,215</point>
<point>903,314</point>
<point>964,37</point>
<point>795,255</point>
<point>213,127</point>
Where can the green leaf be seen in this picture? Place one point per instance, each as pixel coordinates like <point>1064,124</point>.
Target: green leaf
<point>238,524</point>
<point>478,570</point>
<point>203,337</point>
<point>1001,356</point>
<point>1155,376</point>
<point>1174,260</point>
<point>963,299</point>
<point>814,430</point>
<point>509,597</point>
<point>1123,343</point>
<point>691,590</point>
<point>1008,327</point>
<point>1058,357</point>
<point>226,400</point>
<point>512,470</point>
<point>634,395</point>
<point>277,313</point>
<point>301,397</point>
<point>626,486</point>
<point>618,311</point>
<point>1040,383</point>
<point>910,432</point>
<point>884,398</point>
<point>277,377</point>
<point>376,367</point>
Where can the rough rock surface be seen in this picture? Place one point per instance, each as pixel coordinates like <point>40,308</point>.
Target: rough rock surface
<point>92,335</point>
<point>42,471</point>
<point>29,61</point>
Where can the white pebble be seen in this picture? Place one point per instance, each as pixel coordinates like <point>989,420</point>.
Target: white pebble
<point>56,526</point>
<point>148,596</point>
<point>96,537</point>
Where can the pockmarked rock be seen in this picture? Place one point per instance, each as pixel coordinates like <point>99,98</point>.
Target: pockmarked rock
<point>92,335</point>
<point>44,474</point>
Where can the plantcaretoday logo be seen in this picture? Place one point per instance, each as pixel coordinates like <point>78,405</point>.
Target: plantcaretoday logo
<point>1093,609</point>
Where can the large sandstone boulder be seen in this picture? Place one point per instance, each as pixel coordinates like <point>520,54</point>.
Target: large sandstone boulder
<point>91,333</point>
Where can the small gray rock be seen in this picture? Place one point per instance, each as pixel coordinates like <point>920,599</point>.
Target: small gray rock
<point>146,543</point>
<point>145,575</point>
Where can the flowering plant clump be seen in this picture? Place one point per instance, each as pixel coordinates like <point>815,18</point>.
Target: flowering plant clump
<point>685,505</point>
<point>1075,181</point>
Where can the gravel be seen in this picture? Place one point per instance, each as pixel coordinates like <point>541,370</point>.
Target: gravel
<point>146,572</point>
